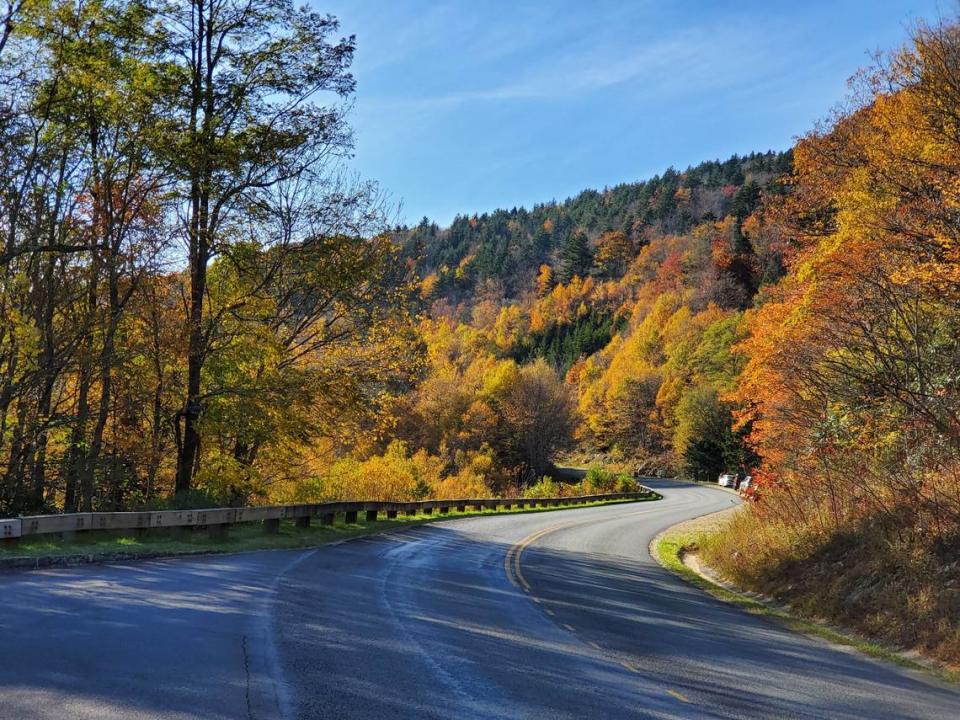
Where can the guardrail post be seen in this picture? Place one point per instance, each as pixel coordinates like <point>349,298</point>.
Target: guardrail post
<point>391,514</point>
<point>508,506</point>
<point>428,511</point>
<point>411,512</point>
<point>461,508</point>
<point>302,522</point>
<point>444,510</point>
<point>371,515</point>
<point>327,518</point>
<point>478,507</point>
<point>271,526</point>
<point>350,517</point>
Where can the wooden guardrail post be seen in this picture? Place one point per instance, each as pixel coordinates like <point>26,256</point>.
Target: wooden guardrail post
<point>302,522</point>
<point>327,518</point>
<point>10,532</point>
<point>391,514</point>
<point>444,509</point>
<point>271,526</point>
<point>350,517</point>
<point>461,508</point>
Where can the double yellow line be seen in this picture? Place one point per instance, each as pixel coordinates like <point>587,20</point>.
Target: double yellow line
<point>514,572</point>
<point>511,561</point>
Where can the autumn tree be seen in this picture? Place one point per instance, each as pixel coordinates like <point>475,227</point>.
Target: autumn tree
<point>538,414</point>
<point>614,252</point>
<point>117,95</point>
<point>852,359</point>
<point>253,76</point>
<point>544,280</point>
<point>80,204</point>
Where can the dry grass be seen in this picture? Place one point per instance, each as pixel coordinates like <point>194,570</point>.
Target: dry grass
<point>881,577</point>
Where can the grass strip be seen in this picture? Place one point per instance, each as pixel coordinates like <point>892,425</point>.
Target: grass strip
<point>106,546</point>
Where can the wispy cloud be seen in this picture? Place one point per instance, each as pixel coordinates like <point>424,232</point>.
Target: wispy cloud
<point>690,60</point>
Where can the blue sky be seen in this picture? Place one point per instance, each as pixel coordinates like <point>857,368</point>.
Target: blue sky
<point>470,105</point>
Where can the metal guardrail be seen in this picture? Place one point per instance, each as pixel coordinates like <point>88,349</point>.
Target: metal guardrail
<point>217,520</point>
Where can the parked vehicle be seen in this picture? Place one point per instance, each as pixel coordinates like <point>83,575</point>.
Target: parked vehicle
<point>728,480</point>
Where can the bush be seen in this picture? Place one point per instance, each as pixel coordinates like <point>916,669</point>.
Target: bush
<point>599,480</point>
<point>399,476</point>
<point>544,487</point>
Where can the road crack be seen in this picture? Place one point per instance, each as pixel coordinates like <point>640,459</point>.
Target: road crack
<point>246,669</point>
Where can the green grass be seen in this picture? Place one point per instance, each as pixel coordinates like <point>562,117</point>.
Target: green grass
<point>669,551</point>
<point>104,545</point>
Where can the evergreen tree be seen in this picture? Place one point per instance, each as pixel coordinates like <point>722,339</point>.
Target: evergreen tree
<point>576,257</point>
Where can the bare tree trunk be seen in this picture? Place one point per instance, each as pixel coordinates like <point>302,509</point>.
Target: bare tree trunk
<point>201,115</point>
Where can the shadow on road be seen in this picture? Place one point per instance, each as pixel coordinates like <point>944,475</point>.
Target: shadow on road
<point>422,624</point>
<point>443,610</point>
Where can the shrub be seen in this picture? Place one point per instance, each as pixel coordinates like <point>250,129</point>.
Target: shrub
<point>544,487</point>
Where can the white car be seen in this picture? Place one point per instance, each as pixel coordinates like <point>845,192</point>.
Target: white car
<point>728,480</point>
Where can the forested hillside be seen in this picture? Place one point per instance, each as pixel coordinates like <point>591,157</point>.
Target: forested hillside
<point>631,297</point>
<point>501,252</point>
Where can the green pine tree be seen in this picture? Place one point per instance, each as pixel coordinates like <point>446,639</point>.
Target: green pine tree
<point>576,257</point>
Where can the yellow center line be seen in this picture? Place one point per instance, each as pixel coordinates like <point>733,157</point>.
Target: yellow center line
<point>511,561</point>
<point>514,573</point>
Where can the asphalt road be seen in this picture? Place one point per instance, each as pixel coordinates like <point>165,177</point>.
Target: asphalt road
<point>548,615</point>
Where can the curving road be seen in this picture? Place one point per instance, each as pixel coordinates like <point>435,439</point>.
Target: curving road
<point>547,615</point>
